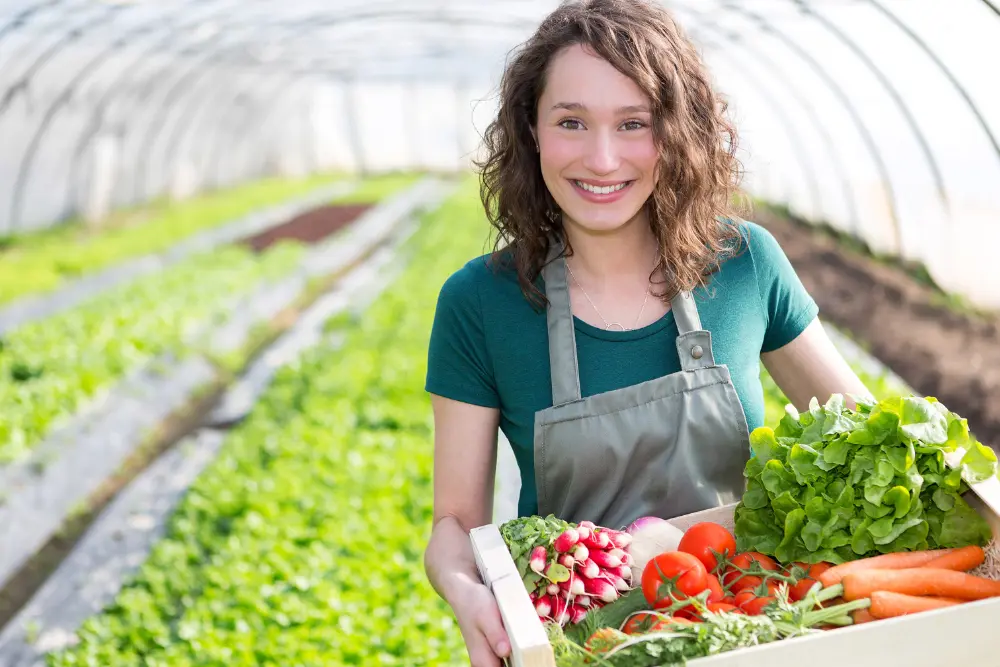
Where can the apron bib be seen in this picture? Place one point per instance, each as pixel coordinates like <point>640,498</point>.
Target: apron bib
<point>666,447</point>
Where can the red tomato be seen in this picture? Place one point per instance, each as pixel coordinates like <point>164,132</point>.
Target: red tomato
<point>755,606</point>
<point>672,573</point>
<point>644,622</point>
<point>802,586</point>
<point>722,606</point>
<point>713,585</point>
<point>737,581</point>
<point>702,539</point>
<point>753,600</point>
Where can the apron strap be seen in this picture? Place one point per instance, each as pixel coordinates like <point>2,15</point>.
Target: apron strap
<point>694,344</point>
<point>565,370</point>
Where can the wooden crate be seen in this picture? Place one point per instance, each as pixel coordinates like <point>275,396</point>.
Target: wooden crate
<point>941,638</point>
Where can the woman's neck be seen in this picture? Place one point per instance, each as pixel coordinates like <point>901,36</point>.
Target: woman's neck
<point>604,260</point>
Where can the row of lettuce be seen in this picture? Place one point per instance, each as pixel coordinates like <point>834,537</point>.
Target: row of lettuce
<point>44,261</point>
<point>302,542</point>
<point>51,368</point>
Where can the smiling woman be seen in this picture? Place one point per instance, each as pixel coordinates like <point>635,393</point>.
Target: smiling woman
<point>615,334</point>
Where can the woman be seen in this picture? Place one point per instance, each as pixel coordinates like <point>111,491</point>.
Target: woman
<point>616,338</point>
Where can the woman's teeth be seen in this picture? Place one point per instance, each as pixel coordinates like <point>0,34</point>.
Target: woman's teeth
<point>598,190</point>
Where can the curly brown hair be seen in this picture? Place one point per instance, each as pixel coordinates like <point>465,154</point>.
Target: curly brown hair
<point>698,173</point>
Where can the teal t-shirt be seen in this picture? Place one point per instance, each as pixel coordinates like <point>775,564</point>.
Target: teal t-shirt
<point>489,345</point>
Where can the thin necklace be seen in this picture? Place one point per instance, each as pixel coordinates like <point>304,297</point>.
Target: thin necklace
<point>609,325</point>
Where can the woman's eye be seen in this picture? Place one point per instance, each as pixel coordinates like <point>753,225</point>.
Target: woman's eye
<point>634,125</point>
<point>571,122</point>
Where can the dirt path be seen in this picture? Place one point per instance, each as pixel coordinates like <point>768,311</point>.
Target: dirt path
<point>938,351</point>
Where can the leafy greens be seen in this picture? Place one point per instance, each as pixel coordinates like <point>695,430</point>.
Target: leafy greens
<point>835,484</point>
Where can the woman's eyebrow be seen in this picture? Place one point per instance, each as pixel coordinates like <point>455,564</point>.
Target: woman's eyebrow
<point>576,106</point>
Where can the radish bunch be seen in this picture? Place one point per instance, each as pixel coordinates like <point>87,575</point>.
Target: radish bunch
<point>581,568</point>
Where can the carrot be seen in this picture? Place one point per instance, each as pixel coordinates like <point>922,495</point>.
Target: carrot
<point>923,581</point>
<point>862,616</point>
<point>894,561</point>
<point>886,604</point>
<point>964,559</point>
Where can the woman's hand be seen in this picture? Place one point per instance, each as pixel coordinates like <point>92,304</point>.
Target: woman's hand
<point>481,625</point>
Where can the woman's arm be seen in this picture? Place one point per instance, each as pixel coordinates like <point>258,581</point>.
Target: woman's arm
<point>811,366</point>
<point>465,457</point>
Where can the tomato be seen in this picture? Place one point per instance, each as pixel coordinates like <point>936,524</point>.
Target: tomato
<point>713,585</point>
<point>722,606</point>
<point>702,539</point>
<point>802,586</point>
<point>753,600</point>
<point>756,606</point>
<point>672,573</point>
<point>736,581</point>
<point>644,622</point>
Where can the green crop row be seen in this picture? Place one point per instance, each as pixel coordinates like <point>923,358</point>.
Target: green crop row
<point>301,544</point>
<point>42,262</point>
<point>52,367</point>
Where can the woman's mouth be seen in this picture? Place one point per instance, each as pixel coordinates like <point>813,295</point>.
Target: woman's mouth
<point>601,193</point>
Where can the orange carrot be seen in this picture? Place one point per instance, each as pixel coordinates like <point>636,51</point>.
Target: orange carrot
<point>964,559</point>
<point>886,604</point>
<point>923,581</point>
<point>862,616</point>
<point>893,561</point>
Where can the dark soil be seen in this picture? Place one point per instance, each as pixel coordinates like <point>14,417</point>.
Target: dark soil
<point>937,349</point>
<point>310,227</point>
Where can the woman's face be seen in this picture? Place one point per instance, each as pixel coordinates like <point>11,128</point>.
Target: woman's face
<point>598,157</point>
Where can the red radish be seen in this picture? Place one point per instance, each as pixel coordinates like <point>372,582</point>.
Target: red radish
<point>606,560</point>
<point>577,613</point>
<point>544,606</point>
<point>537,560</point>
<point>580,553</point>
<point>600,589</point>
<point>620,540</point>
<point>589,568</point>
<point>587,524</point>
<point>583,600</point>
<point>618,553</point>
<point>552,589</point>
<point>625,572</point>
<point>620,584</point>
<point>560,611</point>
<point>574,586</point>
<point>566,541</point>
<point>534,596</point>
<point>567,561</point>
<point>584,532</point>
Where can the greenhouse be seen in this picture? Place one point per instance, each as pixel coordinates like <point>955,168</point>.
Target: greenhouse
<point>233,242</point>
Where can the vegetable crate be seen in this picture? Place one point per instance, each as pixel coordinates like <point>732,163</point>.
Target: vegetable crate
<point>956,635</point>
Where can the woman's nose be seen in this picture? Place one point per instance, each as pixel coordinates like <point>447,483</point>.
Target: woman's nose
<point>601,153</point>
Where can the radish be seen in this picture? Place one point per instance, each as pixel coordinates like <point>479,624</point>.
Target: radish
<point>620,584</point>
<point>577,613</point>
<point>620,540</point>
<point>580,553</point>
<point>537,560</point>
<point>544,606</point>
<point>589,568</point>
<point>625,572</point>
<point>583,601</point>
<point>584,532</point>
<point>566,541</point>
<point>567,561</point>
<point>606,560</point>
<point>572,587</point>
<point>587,524</point>
<point>552,589</point>
<point>600,589</point>
<point>617,553</point>
<point>560,611</point>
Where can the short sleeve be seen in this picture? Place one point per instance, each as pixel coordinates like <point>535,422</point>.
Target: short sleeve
<point>458,364</point>
<point>788,306</point>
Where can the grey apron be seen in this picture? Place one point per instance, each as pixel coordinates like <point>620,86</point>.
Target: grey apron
<point>666,447</point>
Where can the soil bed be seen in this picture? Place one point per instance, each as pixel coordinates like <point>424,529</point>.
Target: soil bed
<point>309,227</point>
<point>938,350</point>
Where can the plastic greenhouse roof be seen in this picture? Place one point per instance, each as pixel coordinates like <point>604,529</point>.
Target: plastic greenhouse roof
<point>881,117</point>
